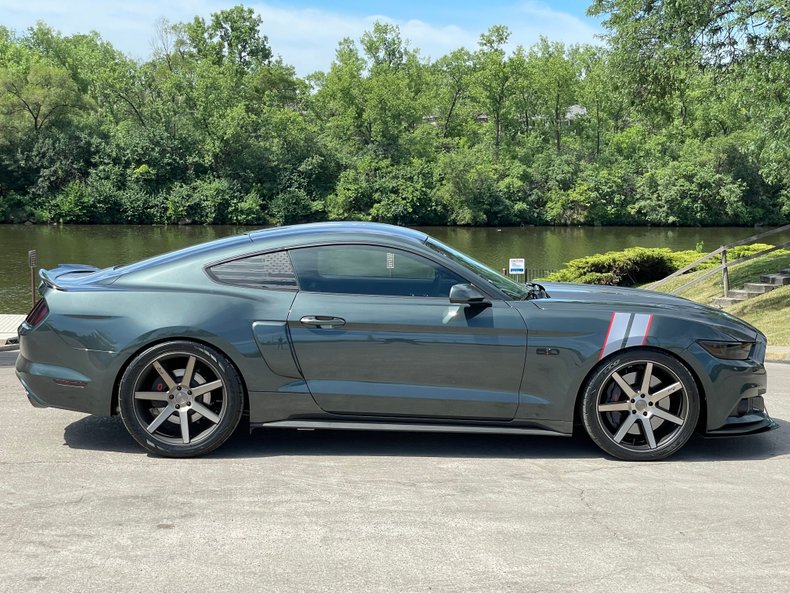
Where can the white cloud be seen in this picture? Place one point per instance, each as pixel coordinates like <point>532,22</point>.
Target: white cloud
<point>304,37</point>
<point>307,38</point>
<point>533,19</point>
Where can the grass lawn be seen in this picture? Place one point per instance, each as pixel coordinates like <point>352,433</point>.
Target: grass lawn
<point>770,313</point>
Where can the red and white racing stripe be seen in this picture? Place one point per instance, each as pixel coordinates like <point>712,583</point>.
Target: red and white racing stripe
<point>626,330</point>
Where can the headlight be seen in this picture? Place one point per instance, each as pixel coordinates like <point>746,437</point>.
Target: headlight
<point>728,350</point>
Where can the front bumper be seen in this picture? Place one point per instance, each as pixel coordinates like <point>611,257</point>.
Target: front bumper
<point>752,418</point>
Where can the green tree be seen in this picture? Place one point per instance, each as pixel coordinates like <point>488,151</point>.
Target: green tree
<point>232,36</point>
<point>556,79</point>
<point>493,78</point>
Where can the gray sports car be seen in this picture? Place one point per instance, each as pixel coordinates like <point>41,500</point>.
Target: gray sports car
<point>369,326</point>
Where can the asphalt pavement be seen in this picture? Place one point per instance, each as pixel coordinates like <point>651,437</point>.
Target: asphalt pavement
<point>83,508</point>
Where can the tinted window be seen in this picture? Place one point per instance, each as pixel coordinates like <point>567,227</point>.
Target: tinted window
<point>512,289</point>
<point>269,270</point>
<point>365,269</point>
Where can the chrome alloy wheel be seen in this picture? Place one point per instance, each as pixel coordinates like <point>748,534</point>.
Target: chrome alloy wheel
<point>642,405</point>
<point>180,398</point>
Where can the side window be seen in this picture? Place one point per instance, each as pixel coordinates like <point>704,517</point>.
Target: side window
<point>269,270</point>
<point>367,269</point>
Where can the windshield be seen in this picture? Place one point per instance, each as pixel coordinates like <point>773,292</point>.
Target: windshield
<point>513,290</point>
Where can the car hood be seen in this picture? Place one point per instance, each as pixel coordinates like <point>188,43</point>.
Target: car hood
<point>593,293</point>
<point>638,297</point>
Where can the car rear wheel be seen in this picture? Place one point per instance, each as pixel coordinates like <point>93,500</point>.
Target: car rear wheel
<point>181,399</point>
<point>642,405</point>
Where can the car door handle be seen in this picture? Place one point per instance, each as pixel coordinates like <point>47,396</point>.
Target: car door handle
<point>320,321</point>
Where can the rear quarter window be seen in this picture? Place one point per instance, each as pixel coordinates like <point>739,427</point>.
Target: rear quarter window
<point>267,270</point>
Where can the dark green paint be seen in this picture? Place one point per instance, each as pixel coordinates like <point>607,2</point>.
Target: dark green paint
<point>397,358</point>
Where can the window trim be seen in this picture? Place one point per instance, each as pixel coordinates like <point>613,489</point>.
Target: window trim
<point>417,248</point>
<point>432,260</point>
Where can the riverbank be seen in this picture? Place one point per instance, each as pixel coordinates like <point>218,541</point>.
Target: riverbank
<point>769,312</point>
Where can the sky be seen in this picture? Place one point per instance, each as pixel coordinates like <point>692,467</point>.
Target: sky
<point>305,33</point>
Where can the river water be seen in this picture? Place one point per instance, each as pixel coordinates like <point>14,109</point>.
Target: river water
<point>542,247</point>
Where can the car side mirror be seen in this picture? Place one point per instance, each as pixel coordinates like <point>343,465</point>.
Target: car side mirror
<point>466,294</point>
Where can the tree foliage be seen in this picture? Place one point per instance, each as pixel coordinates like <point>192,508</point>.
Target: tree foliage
<point>682,119</point>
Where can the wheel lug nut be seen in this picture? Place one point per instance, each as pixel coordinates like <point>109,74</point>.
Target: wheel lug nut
<point>170,396</point>
<point>649,403</point>
<point>177,406</point>
<point>179,386</point>
<point>633,400</point>
<point>644,413</point>
<point>633,411</point>
<point>189,403</point>
<point>189,392</point>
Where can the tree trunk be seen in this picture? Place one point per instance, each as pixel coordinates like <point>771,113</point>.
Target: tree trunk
<point>597,129</point>
<point>557,121</point>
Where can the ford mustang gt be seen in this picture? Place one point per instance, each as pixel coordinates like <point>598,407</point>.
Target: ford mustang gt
<point>368,326</point>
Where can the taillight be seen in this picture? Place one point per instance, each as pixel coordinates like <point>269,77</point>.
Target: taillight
<point>38,313</point>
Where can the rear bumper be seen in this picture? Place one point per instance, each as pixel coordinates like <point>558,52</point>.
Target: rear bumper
<point>71,379</point>
<point>52,386</point>
<point>34,400</point>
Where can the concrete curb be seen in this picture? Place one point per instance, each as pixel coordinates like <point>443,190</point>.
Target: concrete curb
<point>8,328</point>
<point>778,354</point>
<point>5,347</point>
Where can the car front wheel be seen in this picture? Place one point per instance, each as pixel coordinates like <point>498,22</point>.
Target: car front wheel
<point>641,405</point>
<point>181,399</point>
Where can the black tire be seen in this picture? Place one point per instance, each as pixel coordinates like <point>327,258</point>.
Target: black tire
<point>201,414</point>
<point>633,425</point>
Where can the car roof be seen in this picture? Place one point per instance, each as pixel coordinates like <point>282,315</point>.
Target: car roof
<point>338,230</point>
<point>284,237</point>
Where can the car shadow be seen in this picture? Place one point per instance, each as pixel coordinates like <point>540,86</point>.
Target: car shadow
<point>109,434</point>
<point>100,433</point>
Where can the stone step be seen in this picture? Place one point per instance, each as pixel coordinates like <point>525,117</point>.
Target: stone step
<point>759,287</point>
<point>740,295</point>
<point>780,279</point>
<point>725,302</point>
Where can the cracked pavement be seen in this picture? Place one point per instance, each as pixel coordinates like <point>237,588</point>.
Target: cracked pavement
<point>83,508</point>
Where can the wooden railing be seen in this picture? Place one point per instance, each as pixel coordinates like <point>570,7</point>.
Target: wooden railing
<point>725,266</point>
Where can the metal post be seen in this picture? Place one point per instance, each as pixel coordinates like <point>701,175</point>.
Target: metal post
<point>725,273</point>
<point>32,260</point>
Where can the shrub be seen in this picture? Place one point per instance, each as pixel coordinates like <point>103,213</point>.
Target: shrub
<point>138,205</point>
<point>70,205</point>
<point>290,206</point>
<point>247,210</point>
<point>14,208</point>
<point>640,265</point>
<point>633,266</point>
<point>205,201</point>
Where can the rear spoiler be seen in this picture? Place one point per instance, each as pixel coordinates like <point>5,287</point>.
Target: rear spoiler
<point>66,275</point>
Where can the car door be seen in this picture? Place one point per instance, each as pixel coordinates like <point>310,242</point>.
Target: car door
<point>374,333</point>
